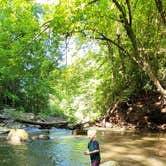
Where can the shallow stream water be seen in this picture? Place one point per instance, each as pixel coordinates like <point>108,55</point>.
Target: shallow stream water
<point>65,149</point>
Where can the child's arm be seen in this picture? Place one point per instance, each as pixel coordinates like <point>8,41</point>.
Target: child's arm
<point>92,152</point>
<point>96,149</point>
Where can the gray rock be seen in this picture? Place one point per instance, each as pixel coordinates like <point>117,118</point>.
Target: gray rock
<point>28,116</point>
<point>4,130</point>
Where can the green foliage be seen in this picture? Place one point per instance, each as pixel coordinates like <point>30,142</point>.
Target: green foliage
<point>108,45</point>
<point>26,63</point>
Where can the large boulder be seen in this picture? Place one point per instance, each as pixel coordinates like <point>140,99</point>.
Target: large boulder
<point>17,136</point>
<point>110,163</point>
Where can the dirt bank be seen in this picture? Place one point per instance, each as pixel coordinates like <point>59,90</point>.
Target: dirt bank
<point>145,112</point>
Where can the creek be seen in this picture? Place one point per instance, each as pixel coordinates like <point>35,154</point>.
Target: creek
<point>66,149</point>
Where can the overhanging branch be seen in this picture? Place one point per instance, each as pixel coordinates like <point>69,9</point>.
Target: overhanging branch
<point>129,11</point>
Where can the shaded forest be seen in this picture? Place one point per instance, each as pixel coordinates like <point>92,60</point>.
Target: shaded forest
<point>85,60</point>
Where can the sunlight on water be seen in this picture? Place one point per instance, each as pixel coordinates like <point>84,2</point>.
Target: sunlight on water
<point>62,149</point>
<point>65,149</point>
<point>132,149</point>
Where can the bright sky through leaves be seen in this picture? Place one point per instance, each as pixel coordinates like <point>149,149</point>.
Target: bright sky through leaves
<point>48,1</point>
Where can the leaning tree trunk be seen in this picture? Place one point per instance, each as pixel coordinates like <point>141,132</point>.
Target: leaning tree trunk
<point>156,82</point>
<point>161,10</point>
<point>143,63</point>
<point>140,61</point>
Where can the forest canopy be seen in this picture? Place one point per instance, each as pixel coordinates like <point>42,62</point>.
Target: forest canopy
<point>77,58</point>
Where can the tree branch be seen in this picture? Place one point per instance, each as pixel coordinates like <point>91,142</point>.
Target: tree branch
<point>103,37</point>
<point>46,25</point>
<point>129,11</point>
<point>38,34</point>
<point>120,8</point>
<point>92,2</point>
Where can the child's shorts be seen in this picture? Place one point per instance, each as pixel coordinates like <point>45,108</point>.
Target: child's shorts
<point>95,163</point>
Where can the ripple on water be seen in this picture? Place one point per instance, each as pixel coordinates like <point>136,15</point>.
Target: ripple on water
<point>62,149</point>
<point>65,149</point>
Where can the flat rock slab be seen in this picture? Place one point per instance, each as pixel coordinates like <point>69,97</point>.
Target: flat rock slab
<point>110,163</point>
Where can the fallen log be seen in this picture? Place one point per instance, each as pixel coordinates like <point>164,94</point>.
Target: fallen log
<point>42,124</point>
<point>60,124</point>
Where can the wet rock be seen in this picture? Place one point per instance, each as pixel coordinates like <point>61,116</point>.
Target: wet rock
<point>17,136</point>
<point>28,116</point>
<point>110,163</point>
<point>13,125</point>
<point>4,130</point>
<point>39,118</point>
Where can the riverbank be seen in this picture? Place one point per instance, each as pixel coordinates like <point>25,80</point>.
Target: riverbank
<point>10,118</point>
<point>146,112</point>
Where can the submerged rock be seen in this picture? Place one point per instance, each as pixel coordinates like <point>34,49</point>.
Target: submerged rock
<point>110,163</point>
<point>40,137</point>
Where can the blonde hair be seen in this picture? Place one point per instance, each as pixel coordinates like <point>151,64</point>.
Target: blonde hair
<point>91,132</point>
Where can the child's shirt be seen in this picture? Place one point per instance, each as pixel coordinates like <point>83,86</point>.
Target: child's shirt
<point>94,145</point>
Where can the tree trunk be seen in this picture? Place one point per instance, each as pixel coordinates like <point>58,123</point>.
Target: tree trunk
<point>161,10</point>
<point>156,82</point>
<point>110,52</point>
<point>109,112</point>
<point>144,64</point>
<point>140,61</point>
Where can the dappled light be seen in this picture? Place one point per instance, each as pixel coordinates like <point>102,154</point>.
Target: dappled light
<point>134,149</point>
<point>70,65</point>
<point>64,148</point>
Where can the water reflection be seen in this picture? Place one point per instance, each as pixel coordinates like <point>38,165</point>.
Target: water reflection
<point>62,149</point>
<point>129,148</point>
<point>65,149</point>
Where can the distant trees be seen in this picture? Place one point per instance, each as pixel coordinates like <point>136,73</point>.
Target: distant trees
<point>25,62</point>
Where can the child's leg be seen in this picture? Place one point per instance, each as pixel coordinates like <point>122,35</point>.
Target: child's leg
<point>95,163</point>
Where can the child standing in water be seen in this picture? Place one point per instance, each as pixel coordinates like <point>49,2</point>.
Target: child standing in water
<point>93,148</point>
